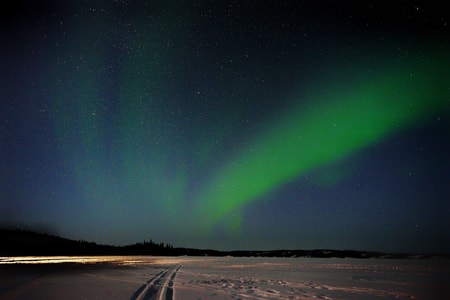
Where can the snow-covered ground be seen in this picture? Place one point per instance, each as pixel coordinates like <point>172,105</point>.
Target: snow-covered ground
<point>143,277</point>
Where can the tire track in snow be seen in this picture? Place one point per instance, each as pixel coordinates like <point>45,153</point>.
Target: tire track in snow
<point>159,286</point>
<point>170,289</point>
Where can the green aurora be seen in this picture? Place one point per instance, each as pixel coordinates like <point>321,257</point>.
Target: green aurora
<point>257,125</point>
<point>340,121</point>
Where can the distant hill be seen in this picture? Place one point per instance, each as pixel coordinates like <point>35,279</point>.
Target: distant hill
<point>24,243</point>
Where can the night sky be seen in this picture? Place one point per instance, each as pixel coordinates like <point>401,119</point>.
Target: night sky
<point>228,124</point>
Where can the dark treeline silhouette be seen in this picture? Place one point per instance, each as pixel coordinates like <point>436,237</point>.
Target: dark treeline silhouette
<point>25,243</point>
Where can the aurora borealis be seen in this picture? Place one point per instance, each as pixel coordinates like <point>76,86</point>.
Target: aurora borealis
<point>233,125</point>
<point>327,132</point>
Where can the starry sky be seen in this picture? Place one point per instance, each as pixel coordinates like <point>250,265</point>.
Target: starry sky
<point>228,124</point>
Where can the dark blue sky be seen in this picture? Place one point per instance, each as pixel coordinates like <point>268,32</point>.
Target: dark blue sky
<point>227,124</point>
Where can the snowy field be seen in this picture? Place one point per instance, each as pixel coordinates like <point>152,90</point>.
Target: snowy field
<point>142,277</point>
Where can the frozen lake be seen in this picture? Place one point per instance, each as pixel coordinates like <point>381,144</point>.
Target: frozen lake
<point>144,277</point>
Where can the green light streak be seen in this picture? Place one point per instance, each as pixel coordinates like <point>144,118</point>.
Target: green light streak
<point>144,138</point>
<point>116,138</point>
<point>337,124</point>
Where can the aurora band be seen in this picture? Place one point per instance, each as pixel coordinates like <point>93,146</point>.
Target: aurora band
<point>341,119</point>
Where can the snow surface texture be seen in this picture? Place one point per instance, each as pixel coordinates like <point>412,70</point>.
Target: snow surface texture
<point>221,278</point>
